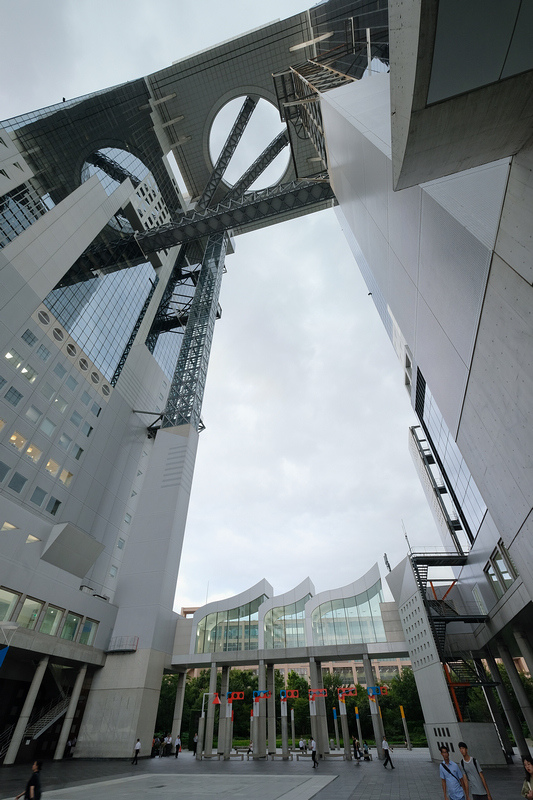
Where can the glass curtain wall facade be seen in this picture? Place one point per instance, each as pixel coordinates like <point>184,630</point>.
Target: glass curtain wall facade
<point>234,629</point>
<point>350,620</point>
<point>285,625</point>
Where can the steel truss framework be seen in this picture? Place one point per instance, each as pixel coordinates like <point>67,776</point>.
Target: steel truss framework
<point>184,403</point>
<point>250,210</point>
<point>196,309</point>
<point>228,150</point>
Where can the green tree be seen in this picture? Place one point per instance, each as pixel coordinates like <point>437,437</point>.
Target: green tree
<point>302,720</point>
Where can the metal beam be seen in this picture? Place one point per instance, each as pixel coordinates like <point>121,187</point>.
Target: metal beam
<point>258,167</point>
<point>250,210</point>
<point>228,150</point>
<point>111,168</point>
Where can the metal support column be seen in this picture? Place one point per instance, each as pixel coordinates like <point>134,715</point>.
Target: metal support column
<point>526,650</point>
<point>223,722</point>
<point>210,719</point>
<point>494,709</point>
<point>512,718</point>
<point>260,715</point>
<point>336,726</point>
<point>293,730</point>
<point>313,684</point>
<point>284,730</point>
<point>27,708</point>
<point>178,704</point>
<point>271,707</point>
<point>374,706</point>
<point>358,721</point>
<point>516,683</point>
<point>345,731</point>
<point>69,716</point>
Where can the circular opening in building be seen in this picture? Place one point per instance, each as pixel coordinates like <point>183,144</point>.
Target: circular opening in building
<point>84,365</point>
<point>106,390</point>
<point>43,317</point>
<point>262,128</point>
<point>113,166</point>
<point>71,350</point>
<point>58,334</point>
<point>95,377</point>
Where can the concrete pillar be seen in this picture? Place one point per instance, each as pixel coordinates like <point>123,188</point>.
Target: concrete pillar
<point>345,731</point>
<point>178,705</point>
<point>284,730</point>
<point>512,719</point>
<point>526,649</point>
<point>260,709</point>
<point>210,717</point>
<point>497,718</point>
<point>201,736</point>
<point>516,683</point>
<point>293,730</point>
<point>271,705</point>
<point>320,732</point>
<point>321,715</point>
<point>223,722</point>
<point>27,708</point>
<point>69,716</point>
<point>374,706</point>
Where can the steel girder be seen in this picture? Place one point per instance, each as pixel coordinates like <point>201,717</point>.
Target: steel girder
<point>258,167</point>
<point>184,403</point>
<point>254,207</point>
<point>251,209</point>
<point>111,168</point>
<point>228,150</point>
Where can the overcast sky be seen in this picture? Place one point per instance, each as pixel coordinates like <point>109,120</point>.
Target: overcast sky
<point>303,468</point>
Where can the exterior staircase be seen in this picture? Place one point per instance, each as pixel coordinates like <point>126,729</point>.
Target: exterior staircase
<point>39,721</point>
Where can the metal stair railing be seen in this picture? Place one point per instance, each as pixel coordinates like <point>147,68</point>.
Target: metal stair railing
<point>5,739</point>
<point>45,717</point>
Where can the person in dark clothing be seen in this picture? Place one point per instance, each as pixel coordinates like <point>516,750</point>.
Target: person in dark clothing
<point>33,787</point>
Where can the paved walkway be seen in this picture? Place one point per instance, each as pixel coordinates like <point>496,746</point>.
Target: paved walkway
<point>415,777</point>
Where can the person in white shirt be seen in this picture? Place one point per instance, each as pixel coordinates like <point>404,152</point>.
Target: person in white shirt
<point>385,746</point>
<point>313,753</point>
<point>136,751</point>
<point>177,745</point>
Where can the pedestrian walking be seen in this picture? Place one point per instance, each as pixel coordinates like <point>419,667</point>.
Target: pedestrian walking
<point>33,787</point>
<point>177,745</point>
<point>527,786</point>
<point>136,751</point>
<point>453,780</point>
<point>477,785</point>
<point>313,753</point>
<point>388,760</point>
<point>301,745</point>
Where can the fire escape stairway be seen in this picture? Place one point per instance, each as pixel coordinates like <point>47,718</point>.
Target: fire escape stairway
<point>440,613</point>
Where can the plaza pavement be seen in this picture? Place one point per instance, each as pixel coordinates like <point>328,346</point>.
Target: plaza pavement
<point>415,777</point>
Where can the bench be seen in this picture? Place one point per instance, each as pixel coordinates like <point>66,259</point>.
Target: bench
<point>280,755</point>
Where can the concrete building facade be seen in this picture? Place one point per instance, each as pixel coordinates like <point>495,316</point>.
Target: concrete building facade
<point>102,256</point>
